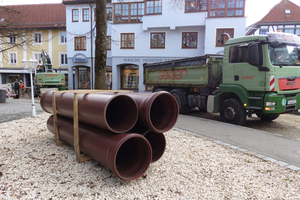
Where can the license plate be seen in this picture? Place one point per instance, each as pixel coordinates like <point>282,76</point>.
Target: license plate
<point>292,101</point>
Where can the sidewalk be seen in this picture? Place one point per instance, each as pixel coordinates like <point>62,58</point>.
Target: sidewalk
<point>18,108</point>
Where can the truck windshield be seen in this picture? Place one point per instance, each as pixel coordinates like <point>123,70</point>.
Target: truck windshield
<point>285,55</point>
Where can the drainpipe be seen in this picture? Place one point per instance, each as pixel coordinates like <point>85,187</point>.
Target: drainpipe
<point>92,61</point>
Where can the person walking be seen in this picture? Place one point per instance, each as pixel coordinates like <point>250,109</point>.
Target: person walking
<point>17,87</point>
<point>22,87</point>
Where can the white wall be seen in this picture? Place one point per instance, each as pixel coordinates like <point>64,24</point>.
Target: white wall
<point>173,16</point>
<point>212,24</point>
<point>173,40</point>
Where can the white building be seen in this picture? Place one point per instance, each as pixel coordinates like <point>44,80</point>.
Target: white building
<point>148,31</point>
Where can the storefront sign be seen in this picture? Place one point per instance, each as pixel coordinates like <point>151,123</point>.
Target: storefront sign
<point>79,58</point>
<point>146,60</point>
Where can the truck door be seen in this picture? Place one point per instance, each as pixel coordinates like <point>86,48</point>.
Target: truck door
<point>245,74</point>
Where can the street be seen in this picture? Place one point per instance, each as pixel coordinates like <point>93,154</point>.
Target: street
<point>274,147</point>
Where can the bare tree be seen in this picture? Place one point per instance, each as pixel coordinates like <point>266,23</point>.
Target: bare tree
<point>101,45</point>
<point>12,34</point>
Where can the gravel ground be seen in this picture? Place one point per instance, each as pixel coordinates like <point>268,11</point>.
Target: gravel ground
<point>33,167</point>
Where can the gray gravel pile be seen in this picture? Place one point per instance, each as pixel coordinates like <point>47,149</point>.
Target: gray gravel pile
<point>33,167</point>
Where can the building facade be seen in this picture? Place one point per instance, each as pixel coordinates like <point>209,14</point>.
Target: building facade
<point>25,32</point>
<point>283,17</point>
<point>147,31</point>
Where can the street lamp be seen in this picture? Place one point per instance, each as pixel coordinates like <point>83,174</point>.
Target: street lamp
<point>32,64</point>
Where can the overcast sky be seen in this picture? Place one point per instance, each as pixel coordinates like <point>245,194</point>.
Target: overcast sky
<point>255,9</point>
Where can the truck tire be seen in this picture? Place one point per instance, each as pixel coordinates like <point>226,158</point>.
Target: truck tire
<point>269,118</point>
<point>182,109</point>
<point>233,112</point>
<point>161,89</point>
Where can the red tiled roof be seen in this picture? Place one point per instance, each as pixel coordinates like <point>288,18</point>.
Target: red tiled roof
<point>78,1</point>
<point>34,16</point>
<point>277,13</point>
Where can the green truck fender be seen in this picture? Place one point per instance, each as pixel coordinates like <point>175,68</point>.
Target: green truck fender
<point>230,91</point>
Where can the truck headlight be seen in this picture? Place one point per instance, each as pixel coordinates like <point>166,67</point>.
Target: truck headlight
<point>270,103</point>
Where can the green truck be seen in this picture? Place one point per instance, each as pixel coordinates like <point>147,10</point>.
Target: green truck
<point>45,78</point>
<point>255,75</point>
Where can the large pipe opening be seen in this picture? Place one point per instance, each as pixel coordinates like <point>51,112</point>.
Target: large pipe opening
<point>121,114</point>
<point>158,144</point>
<point>163,112</point>
<point>132,158</point>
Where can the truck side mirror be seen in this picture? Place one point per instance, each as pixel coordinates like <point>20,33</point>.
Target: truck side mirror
<point>254,54</point>
<point>275,44</point>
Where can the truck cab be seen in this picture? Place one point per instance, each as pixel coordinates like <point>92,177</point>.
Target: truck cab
<point>261,75</point>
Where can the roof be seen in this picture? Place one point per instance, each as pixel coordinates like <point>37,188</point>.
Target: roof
<point>34,16</point>
<point>277,13</point>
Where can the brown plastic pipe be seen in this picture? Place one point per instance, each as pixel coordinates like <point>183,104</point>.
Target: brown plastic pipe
<point>156,140</point>
<point>116,112</point>
<point>158,111</point>
<point>127,155</point>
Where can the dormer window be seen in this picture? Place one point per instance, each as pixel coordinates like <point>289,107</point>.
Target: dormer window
<point>287,11</point>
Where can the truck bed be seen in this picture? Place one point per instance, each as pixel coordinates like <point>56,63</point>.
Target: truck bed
<point>201,71</point>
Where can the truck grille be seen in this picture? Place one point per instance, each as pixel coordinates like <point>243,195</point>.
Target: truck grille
<point>51,81</point>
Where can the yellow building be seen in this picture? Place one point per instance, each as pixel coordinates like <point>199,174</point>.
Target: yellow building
<point>25,30</point>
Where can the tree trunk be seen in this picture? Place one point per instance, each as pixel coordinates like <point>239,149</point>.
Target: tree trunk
<point>101,42</point>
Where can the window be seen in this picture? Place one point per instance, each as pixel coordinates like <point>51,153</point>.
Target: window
<point>153,7</point>
<point>109,14</point>
<point>63,59</point>
<point>223,35</point>
<point>287,11</point>
<point>238,54</point>
<point>129,12</point>
<point>157,40</point>
<point>37,38</point>
<point>189,39</point>
<point>108,45</point>
<point>63,38</point>
<point>12,58</point>
<point>195,5</point>
<point>289,31</point>
<point>85,14</point>
<point>263,31</point>
<point>38,57</point>
<point>226,8</point>
<point>12,38</point>
<point>136,12</point>
<point>127,40</point>
<point>75,15</point>
<point>80,43</point>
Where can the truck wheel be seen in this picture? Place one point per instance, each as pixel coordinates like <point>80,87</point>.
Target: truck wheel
<point>176,96</point>
<point>160,89</point>
<point>269,118</point>
<point>182,109</point>
<point>233,112</point>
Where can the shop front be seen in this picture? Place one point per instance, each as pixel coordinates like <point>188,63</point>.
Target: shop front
<point>84,81</point>
<point>128,72</point>
<point>130,77</point>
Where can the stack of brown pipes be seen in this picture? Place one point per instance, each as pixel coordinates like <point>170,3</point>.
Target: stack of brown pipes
<point>123,131</point>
